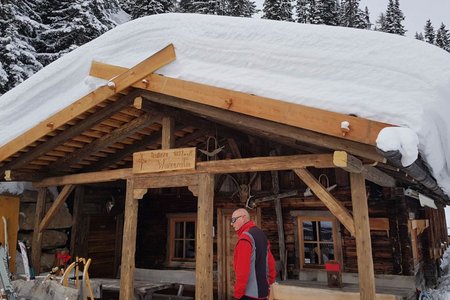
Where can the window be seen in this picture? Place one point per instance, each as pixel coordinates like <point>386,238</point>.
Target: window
<point>318,239</point>
<point>182,239</point>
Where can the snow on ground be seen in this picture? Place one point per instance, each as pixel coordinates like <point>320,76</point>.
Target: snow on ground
<point>374,75</point>
<point>442,292</point>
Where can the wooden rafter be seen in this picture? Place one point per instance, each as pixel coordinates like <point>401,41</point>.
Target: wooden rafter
<point>71,132</point>
<point>318,120</point>
<point>99,144</point>
<point>335,206</point>
<point>121,82</point>
<point>353,165</point>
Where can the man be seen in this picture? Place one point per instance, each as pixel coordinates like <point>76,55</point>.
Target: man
<point>254,264</point>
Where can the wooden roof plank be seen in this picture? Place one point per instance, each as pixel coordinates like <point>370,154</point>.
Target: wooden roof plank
<point>314,119</point>
<point>87,102</point>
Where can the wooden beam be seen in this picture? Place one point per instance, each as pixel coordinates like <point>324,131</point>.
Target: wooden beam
<point>37,235</point>
<point>318,120</point>
<point>362,237</point>
<point>72,131</point>
<point>105,141</point>
<point>83,178</point>
<point>335,206</point>
<point>255,164</point>
<point>167,135</point>
<point>122,81</point>
<point>142,182</point>
<point>353,165</point>
<point>65,192</point>
<point>129,244</point>
<point>204,240</point>
<point>266,129</point>
<point>76,235</point>
<point>13,175</point>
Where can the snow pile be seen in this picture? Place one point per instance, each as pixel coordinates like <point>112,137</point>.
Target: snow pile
<point>442,292</point>
<point>374,75</point>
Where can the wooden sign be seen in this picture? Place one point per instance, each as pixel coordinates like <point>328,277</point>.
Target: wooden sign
<point>164,160</point>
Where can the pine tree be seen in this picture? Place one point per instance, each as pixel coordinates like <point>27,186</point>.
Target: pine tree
<point>429,32</point>
<point>18,31</point>
<point>240,8</point>
<point>277,10</point>
<point>208,7</point>
<point>443,38</point>
<point>70,25</point>
<point>381,22</point>
<point>367,17</point>
<point>394,17</point>
<point>303,8</point>
<point>419,36</point>
<point>350,15</point>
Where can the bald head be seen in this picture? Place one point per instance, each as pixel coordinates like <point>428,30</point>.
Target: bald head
<point>239,217</point>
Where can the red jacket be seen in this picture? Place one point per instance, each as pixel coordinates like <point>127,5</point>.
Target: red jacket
<point>255,270</point>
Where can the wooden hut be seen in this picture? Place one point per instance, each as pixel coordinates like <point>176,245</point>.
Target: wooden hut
<point>153,166</point>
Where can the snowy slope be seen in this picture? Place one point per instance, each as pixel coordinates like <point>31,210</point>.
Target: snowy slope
<point>374,75</point>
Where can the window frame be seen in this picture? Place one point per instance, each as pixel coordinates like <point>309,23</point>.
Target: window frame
<point>317,216</point>
<point>173,261</point>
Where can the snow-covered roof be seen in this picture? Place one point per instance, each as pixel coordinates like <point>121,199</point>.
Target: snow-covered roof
<point>374,75</point>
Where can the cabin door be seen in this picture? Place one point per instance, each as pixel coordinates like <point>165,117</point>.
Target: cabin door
<point>226,240</point>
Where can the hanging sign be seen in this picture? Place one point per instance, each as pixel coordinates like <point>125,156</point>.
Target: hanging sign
<point>164,160</point>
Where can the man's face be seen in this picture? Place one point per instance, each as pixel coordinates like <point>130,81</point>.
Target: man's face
<point>237,220</point>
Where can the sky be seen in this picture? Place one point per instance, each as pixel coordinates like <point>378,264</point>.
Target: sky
<point>378,76</point>
<point>416,12</point>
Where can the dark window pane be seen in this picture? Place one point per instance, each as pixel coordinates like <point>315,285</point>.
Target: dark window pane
<point>326,231</point>
<point>327,252</point>
<point>308,231</point>
<point>190,249</point>
<point>190,230</point>
<point>178,249</point>
<point>310,254</point>
<point>179,230</point>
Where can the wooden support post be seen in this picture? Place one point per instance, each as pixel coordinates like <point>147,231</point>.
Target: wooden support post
<point>129,244</point>
<point>204,247</point>
<point>37,235</point>
<point>362,236</point>
<point>67,189</point>
<point>168,136</point>
<point>77,224</point>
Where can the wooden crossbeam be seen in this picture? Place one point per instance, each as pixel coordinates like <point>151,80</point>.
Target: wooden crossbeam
<point>72,131</point>
<point>89,101</point>
<point>65,192</point>
<point>335,206</point>
<point>318,120</point>
<point>255,164</point>
<point>353,165</point>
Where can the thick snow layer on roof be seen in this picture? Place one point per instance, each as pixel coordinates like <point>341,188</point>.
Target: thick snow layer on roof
<point>374,75</point>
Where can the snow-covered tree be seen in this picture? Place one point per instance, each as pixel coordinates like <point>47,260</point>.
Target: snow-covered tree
<point>239,8</point>
<point>429,32</point>
<point>150,7</point>
<point>351,16</point>
<point>394,18</point>
<point>302,7</point>
<point>380,22</point>
<point>419,36</point>
<point>443,38</point>
<point>277,10</point>
<point>19,26</point>
<point>72,23</point>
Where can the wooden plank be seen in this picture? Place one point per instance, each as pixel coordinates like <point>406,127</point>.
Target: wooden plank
<point>129,244</point>
<point>87,102</point>
<point>164,160</point>
<point>335,206</point>
<point>352,164</point>
<point>9,209</point>
<point>37,235</point>
<point>318,120</point>
<point>286,292</point>
<point>72,131</point>
<point>362,237</point>
<point>166,181</point>
<point>204,238</point>
<point>67,189</point>
<point>266,129</point>
<point>167,135</point>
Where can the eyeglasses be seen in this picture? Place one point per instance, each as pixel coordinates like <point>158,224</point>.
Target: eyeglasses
<point>234,219</point>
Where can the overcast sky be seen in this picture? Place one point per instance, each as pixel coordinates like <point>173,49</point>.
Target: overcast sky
<point>416,12</point>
